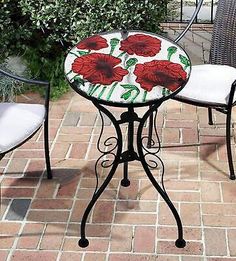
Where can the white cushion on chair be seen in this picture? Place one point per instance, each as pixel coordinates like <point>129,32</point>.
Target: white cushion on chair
<point>17,122</point>
<point>209,84</point>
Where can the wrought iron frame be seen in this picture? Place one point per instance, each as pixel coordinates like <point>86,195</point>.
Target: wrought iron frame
<point>46,85</point>
<point>129,116</point>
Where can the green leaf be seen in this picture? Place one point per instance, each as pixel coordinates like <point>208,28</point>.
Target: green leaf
<point>171,50</point>
<point>113,43</point>
<point>102,91</point>
<point>131,89</point>
<point>165,92</point>
<point>111,91</point>
<point>78,83</point>
<point>129,86</point>
<point>131,62</point>
<point>78,80</point>
<point>126,95</point>
<point>91,86</point>
<point>144,96</point>
<point>93,89</point>
<point>81,53</point>
<point>73,54</point>
<point>184,60</point>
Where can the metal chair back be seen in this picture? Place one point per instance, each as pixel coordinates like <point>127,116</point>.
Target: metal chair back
<point>223,44</point>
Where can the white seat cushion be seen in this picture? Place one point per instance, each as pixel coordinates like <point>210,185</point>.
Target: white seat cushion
<point>17,122</point>
<point>209,84</point>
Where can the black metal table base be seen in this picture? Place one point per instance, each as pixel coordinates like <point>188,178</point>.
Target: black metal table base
<point>114,150</point>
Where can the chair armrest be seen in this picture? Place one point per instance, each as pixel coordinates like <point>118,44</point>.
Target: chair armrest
<point>177,39</point>
<point>29,81</point>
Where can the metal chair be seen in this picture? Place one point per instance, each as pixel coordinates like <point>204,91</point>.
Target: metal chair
<point>19,121</point>
<point>213,85</point>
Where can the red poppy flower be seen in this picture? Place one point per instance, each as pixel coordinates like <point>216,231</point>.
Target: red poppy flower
<point>99,68</point>
<point>141,44</point>
<point>95,42</point>
<point>163,73</point>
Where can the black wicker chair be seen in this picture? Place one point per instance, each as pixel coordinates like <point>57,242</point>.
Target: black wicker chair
<point>213,85</point>
<point>19,121</point>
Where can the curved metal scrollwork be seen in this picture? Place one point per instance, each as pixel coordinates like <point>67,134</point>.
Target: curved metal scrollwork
<point>156,164</point>
<point>107,148</point>
<point>108,142</point>
<point>153,161</point>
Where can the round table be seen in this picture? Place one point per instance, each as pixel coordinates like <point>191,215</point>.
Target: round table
<point>128,69</point>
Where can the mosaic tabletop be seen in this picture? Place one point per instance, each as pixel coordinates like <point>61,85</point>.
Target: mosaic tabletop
<point>127,67</point>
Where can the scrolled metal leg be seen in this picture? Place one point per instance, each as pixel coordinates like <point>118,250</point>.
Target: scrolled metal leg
<point>180,242</point>
<point>83,242</point>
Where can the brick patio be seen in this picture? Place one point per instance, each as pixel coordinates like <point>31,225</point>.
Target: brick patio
<point>40,218</point>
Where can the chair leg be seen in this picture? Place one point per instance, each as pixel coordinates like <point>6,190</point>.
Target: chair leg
<point>210,120</point>
<point>46,149</point>
<point>228,145</point>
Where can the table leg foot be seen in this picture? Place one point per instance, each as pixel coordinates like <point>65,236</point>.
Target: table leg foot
<point>180,243</point>
<point>83,242</point>
<point>125,182</point>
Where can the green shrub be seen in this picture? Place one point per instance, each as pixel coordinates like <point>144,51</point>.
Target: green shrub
<point>9,87</point>
<point>71,20</point>
<point>42,31</point>
<point>15,29</point>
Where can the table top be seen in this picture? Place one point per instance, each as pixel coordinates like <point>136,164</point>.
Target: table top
<point>127,67</point>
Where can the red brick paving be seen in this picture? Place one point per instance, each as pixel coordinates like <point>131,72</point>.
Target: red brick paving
<point>30,236</point>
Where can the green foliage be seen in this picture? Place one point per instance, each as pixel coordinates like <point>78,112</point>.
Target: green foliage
<point>42,31</point>
<point>173,10</point>
<point>14,28</point>
<point>72,20</point>
<point>9,87</point>
<point>45,66</point>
